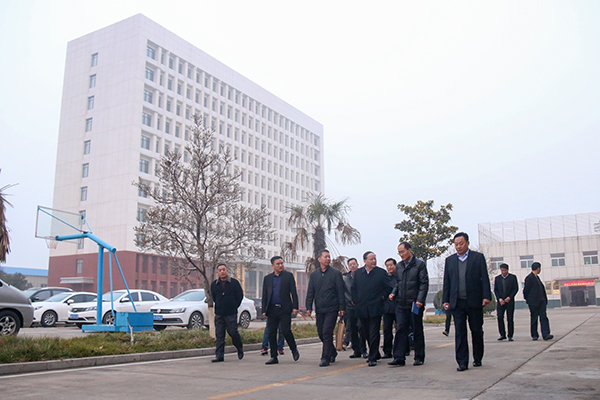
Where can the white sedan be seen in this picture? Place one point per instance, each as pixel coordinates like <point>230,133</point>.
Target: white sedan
<point>56,308</point>
<point>85,313</point>
<point>190,310</point>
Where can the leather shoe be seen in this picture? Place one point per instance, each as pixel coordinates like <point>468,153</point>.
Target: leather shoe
<point>355,355</point>
<point>502,338</point>
<point>272,360</point>
<point>418,362</point>
<point>218,359</point>
<point>398,362</point>
<point>510,339</point>
<point>549,337</point>
<point>295,354</point>
<point>365,355</point>
<point>324,363</point>
<point>387,355</point>
<point>240,355</point>
<point>332,359</point>
<point>462,368</point>
<point>477,363</point>
<point>534,339</point>
<point>372,363</point>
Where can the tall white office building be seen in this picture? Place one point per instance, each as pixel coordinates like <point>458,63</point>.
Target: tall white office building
<point>130,91</point>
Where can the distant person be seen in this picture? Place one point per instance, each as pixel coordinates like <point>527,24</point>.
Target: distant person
<point>227,295</point>
<point>326,289</point>
<point>466,291</point>
<point>409,294</point>
<point>534,292</point>
<point>265,342</point>
<point>279,302</point>
<point>389,312</point>
<point>353,332</point>
<point>370,287</point>
<point>505,289</point>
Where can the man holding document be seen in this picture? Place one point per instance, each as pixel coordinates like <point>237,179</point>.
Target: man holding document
<point>409,293</point>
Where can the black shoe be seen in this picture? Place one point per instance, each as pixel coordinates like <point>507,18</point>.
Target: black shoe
<point>324,363</point>
<point>502,338</point>
<point>218,359</point>
<point>510,339</point>
<point>549,337</point>
<point>332,359</point>
<point>418,362</point>
<point>272,360</point>
<point>462,368</point>
<point>378,356</point>
<point>372,363</point>
<point>295,354</point>
<point>365,355</point>
<point>534,339</point>
<point>398,362</point>
<point>388,355</point>
<point>445,333</point>
<point>240,355</point>
<point>355,355</point>
<point>477,363</point>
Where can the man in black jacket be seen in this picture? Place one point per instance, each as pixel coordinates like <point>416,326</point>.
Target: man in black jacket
<point>466,292</point>
<point>326,289</point>
<point>410,295</point>
<point>353,332</point>
<point>534,292</point>
<point>389,312</point>
<point>279,302</point>
<point>505,289</point>
<point>370,287</point>
<point>227,295</point>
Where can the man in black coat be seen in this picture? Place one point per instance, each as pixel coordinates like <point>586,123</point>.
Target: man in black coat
<point>326,289</point>
<point>466,292</point>
<point>389,312</point>
<point>534,292</point>
<point>505,289</point>
<point>353,332</point>
<point>279,302</point>
<point>410,295</point>
<point>227,295</point>
<point>370,287</point>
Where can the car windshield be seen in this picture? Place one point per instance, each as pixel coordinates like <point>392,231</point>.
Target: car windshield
<point>190,295</point>
<point>116,295</point>
<point>59,297</point>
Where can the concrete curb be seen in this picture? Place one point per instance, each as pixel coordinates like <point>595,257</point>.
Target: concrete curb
<point>52,365</point>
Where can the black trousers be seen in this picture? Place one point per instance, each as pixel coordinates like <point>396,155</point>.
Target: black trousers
<point>325,325</point>
<point>370,330</point>
<point>276,318</point>
<point>461,314</point>
<point>353,332</point>
<point>404,316</point>
<point>229,323</point>
<point>539,311</point>
<point>389,320</point>
<point>509,310</point>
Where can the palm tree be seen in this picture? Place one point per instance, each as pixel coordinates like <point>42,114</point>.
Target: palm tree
<point>313,222</point>
<point>4,239</point>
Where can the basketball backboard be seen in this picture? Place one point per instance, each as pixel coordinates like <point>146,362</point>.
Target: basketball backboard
<point>51,223</point>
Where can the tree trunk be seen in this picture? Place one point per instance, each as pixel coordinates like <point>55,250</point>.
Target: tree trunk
<point>211,322</point>
<point>318,244</point>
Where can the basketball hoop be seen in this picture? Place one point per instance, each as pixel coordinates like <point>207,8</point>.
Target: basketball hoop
<point>51,243</point>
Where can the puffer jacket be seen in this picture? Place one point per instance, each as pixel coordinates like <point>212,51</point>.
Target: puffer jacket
<point>413,283</point>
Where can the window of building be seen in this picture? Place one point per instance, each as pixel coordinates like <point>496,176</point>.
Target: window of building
<point>92,81</point>
<point>171,62</point>
<point>79,266</point>
<point>167,127</point>
<point>590,257</point>
<point>148,96</point>
<point>141,214</point>
<point>179,88</point>
<point>83,196</point>
<point>495,262</point>
<point>94,59</point>
<point>526,261</point>
<point>85,170</point>
<point>144,165</point>
<point>151,53</point>
<point>558,259</point>
<point>149,74</point>
<point>88,124</point>
<point>146,119</point>
<point>91,103</point>
<point>180,68</point>
<point>87,145</point>
<point>145,143</point>
<point>143,190</point>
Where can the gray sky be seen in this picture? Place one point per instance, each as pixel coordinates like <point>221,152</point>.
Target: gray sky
<point>490,106</point>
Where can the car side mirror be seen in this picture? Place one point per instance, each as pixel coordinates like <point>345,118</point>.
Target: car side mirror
<point>70,301</point>
<point>35,298</point>
<point>125,300</point>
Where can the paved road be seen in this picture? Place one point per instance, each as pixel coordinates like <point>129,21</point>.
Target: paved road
<point>567,367</point>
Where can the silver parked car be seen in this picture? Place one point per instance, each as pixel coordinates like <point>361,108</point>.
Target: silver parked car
<point>16,310</point>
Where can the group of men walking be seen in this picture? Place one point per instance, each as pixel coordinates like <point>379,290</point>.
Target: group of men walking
<point>364,296</point>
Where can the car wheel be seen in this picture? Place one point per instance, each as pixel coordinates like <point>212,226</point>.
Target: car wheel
<point>160,327</point>
<point>10,323</point>
<point>196,320</point>
<point>245,320</point>
<point>108,319</point>
<point>49,318</point>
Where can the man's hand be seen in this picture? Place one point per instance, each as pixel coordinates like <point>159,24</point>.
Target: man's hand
<point>507,300</point>
<point>486,302</point>
<point>308,312</point>
<point>264,315</point>
<point>295,312</point>
<point>341,313</point>
<point>392,296</point>
<point>419,305</point>
<point>446,306</point>
<point>502,302</point>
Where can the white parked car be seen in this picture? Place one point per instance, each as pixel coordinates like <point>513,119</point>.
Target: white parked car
<point>85,313</point>
<point>56,308</point>
<point>190,310</point>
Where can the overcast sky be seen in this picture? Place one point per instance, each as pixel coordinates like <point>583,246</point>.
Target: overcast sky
<point>490,106</point>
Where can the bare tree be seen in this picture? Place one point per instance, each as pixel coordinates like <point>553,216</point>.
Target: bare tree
<point>4,238</point>
<point>198,221</point>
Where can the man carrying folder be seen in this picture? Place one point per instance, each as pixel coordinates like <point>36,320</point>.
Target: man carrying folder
<point>409,293</point>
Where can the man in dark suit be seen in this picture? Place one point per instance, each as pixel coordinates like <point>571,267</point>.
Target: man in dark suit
<point>466,292</point>
<point>534,292</point>
<point>370,287</point>
<point>505,289</point>
<point>389,312</point>
<point>279,302</point>
<point>353,332</point>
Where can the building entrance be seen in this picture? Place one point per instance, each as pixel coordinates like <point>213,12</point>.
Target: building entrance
<point>578,293</point>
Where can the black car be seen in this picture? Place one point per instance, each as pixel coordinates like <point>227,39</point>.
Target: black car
<point>258,305</point>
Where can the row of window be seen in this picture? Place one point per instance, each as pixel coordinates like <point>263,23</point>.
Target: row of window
<point>556,259</point>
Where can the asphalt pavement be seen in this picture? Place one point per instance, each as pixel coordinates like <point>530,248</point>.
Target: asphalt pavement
<point>567,367</point>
